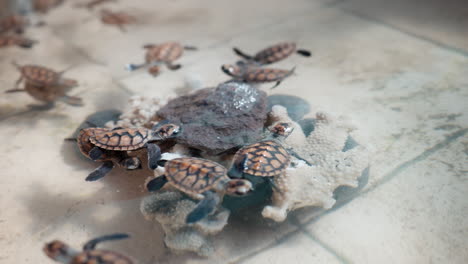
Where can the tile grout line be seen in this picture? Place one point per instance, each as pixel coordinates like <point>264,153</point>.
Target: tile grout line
<point>392,174</point>
<point>436,43</point>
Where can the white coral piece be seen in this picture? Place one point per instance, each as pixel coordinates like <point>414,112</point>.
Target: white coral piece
<point>313,185</point>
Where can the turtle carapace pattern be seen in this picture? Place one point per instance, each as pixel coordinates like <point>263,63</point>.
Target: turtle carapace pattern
<point>109,158</point>
<point>157,54</point>
<point>116,18</point>
<point>273,53</point>
<point>61,252</point>
<point>201,179</point>
<point>249,74</point>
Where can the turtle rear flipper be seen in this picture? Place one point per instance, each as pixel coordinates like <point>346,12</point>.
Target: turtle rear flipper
<point>154,155</point>
<point>101,171</point>
<point>242,54</point>
<point>72,100</point>
<point>204,208</point>
<point>156,183</point>
<point>27,44</point>
<point>173,67</point>
<point>90,245</point>
<point>304,53</point>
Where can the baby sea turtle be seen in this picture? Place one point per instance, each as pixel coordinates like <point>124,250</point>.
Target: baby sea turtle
<point>273,53</point>
<point>61,252</point>
<point>249,74</point>
<point>109,158</point>
<point>45,85</point>
<point>128,139</point>
<point>267,158</point>
<point>16,40</point>
<point>116,18</point>
<point>165,53</point>
<point>202,179</point>
<point>15,23</point>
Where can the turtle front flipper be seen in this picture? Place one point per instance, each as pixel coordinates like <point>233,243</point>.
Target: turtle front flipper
<point>15,90</point>
<point>173,67</point>
<point>72,100</point>
<point>95,153</point>
<point>156,183</point>
<point>154,155</point>
<point>133,67</point>
<point>242,54</point>
<point>304,53</point>
<point>101,171</point>
<point>90,245</point>
<point>204,208</point>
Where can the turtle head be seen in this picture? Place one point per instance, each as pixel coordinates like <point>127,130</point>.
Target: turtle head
<point>166,130</point>
<point>282,130</point>
<point>239,187</point>
<point>232,70</point>
<point>59,251</point>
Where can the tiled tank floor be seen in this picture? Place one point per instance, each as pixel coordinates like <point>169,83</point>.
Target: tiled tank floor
<point>399,69</point>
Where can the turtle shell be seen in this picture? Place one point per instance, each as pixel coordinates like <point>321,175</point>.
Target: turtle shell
<point>166,52</point>
<point>261,75</point>
<point>44,93</point>
<point>194,175</point>
<point>265,159</point>
<point>101,257</point>
<point>83,139</point>
<point>39,75</point>
<point>122,139</point>
<point>275,53</point>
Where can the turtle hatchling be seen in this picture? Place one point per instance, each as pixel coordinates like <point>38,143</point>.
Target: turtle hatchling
<point>165,53</point>
<point>116,18</point>
<point>201,179</point>
<point>128,139</point>
<point>109,158</point>
<point>249,74</point>
<point>273,53</point>
<point>16,40</point>
<point>45,84</point>
<point>61,252</point>
<point>267,158</point>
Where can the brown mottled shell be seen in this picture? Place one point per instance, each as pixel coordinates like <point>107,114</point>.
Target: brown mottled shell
<point>122,139</point>
<point>98,256</point>
<point>262,75</point>
<point>116,18</point>
<point>39,75</point>
<point>44,93</point>
<point>83,140</point>
<point>194,175</point>
<point>275,53</point>
<point>166,52</point>
<point>265,159</point>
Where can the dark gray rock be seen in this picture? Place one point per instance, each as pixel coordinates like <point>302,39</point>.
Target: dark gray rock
<point>296,106</point>
<point>218,119</point>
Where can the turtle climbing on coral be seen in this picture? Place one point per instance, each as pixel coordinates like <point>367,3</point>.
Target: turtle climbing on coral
<point>266,159</point>
<point>108,157</point>
<point>45,84</point>
<point>201,179</point>
<point>273,53</point>
<point>61,252</point>
<point>165,53</point>
<point>250,74</point>
<point>129,139</point>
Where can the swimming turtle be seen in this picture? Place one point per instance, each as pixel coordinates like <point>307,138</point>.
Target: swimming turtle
<point>165,53</point>
<point>61,252</point>
<point>202,179</point>
<point>16,40</point>
<point>273,53</point>
<point>266,158</point>
<point>116,18</point>
<point>250,74</point>
<point>109,158</point>
<point>128,139</point>
<point>45,85</point>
